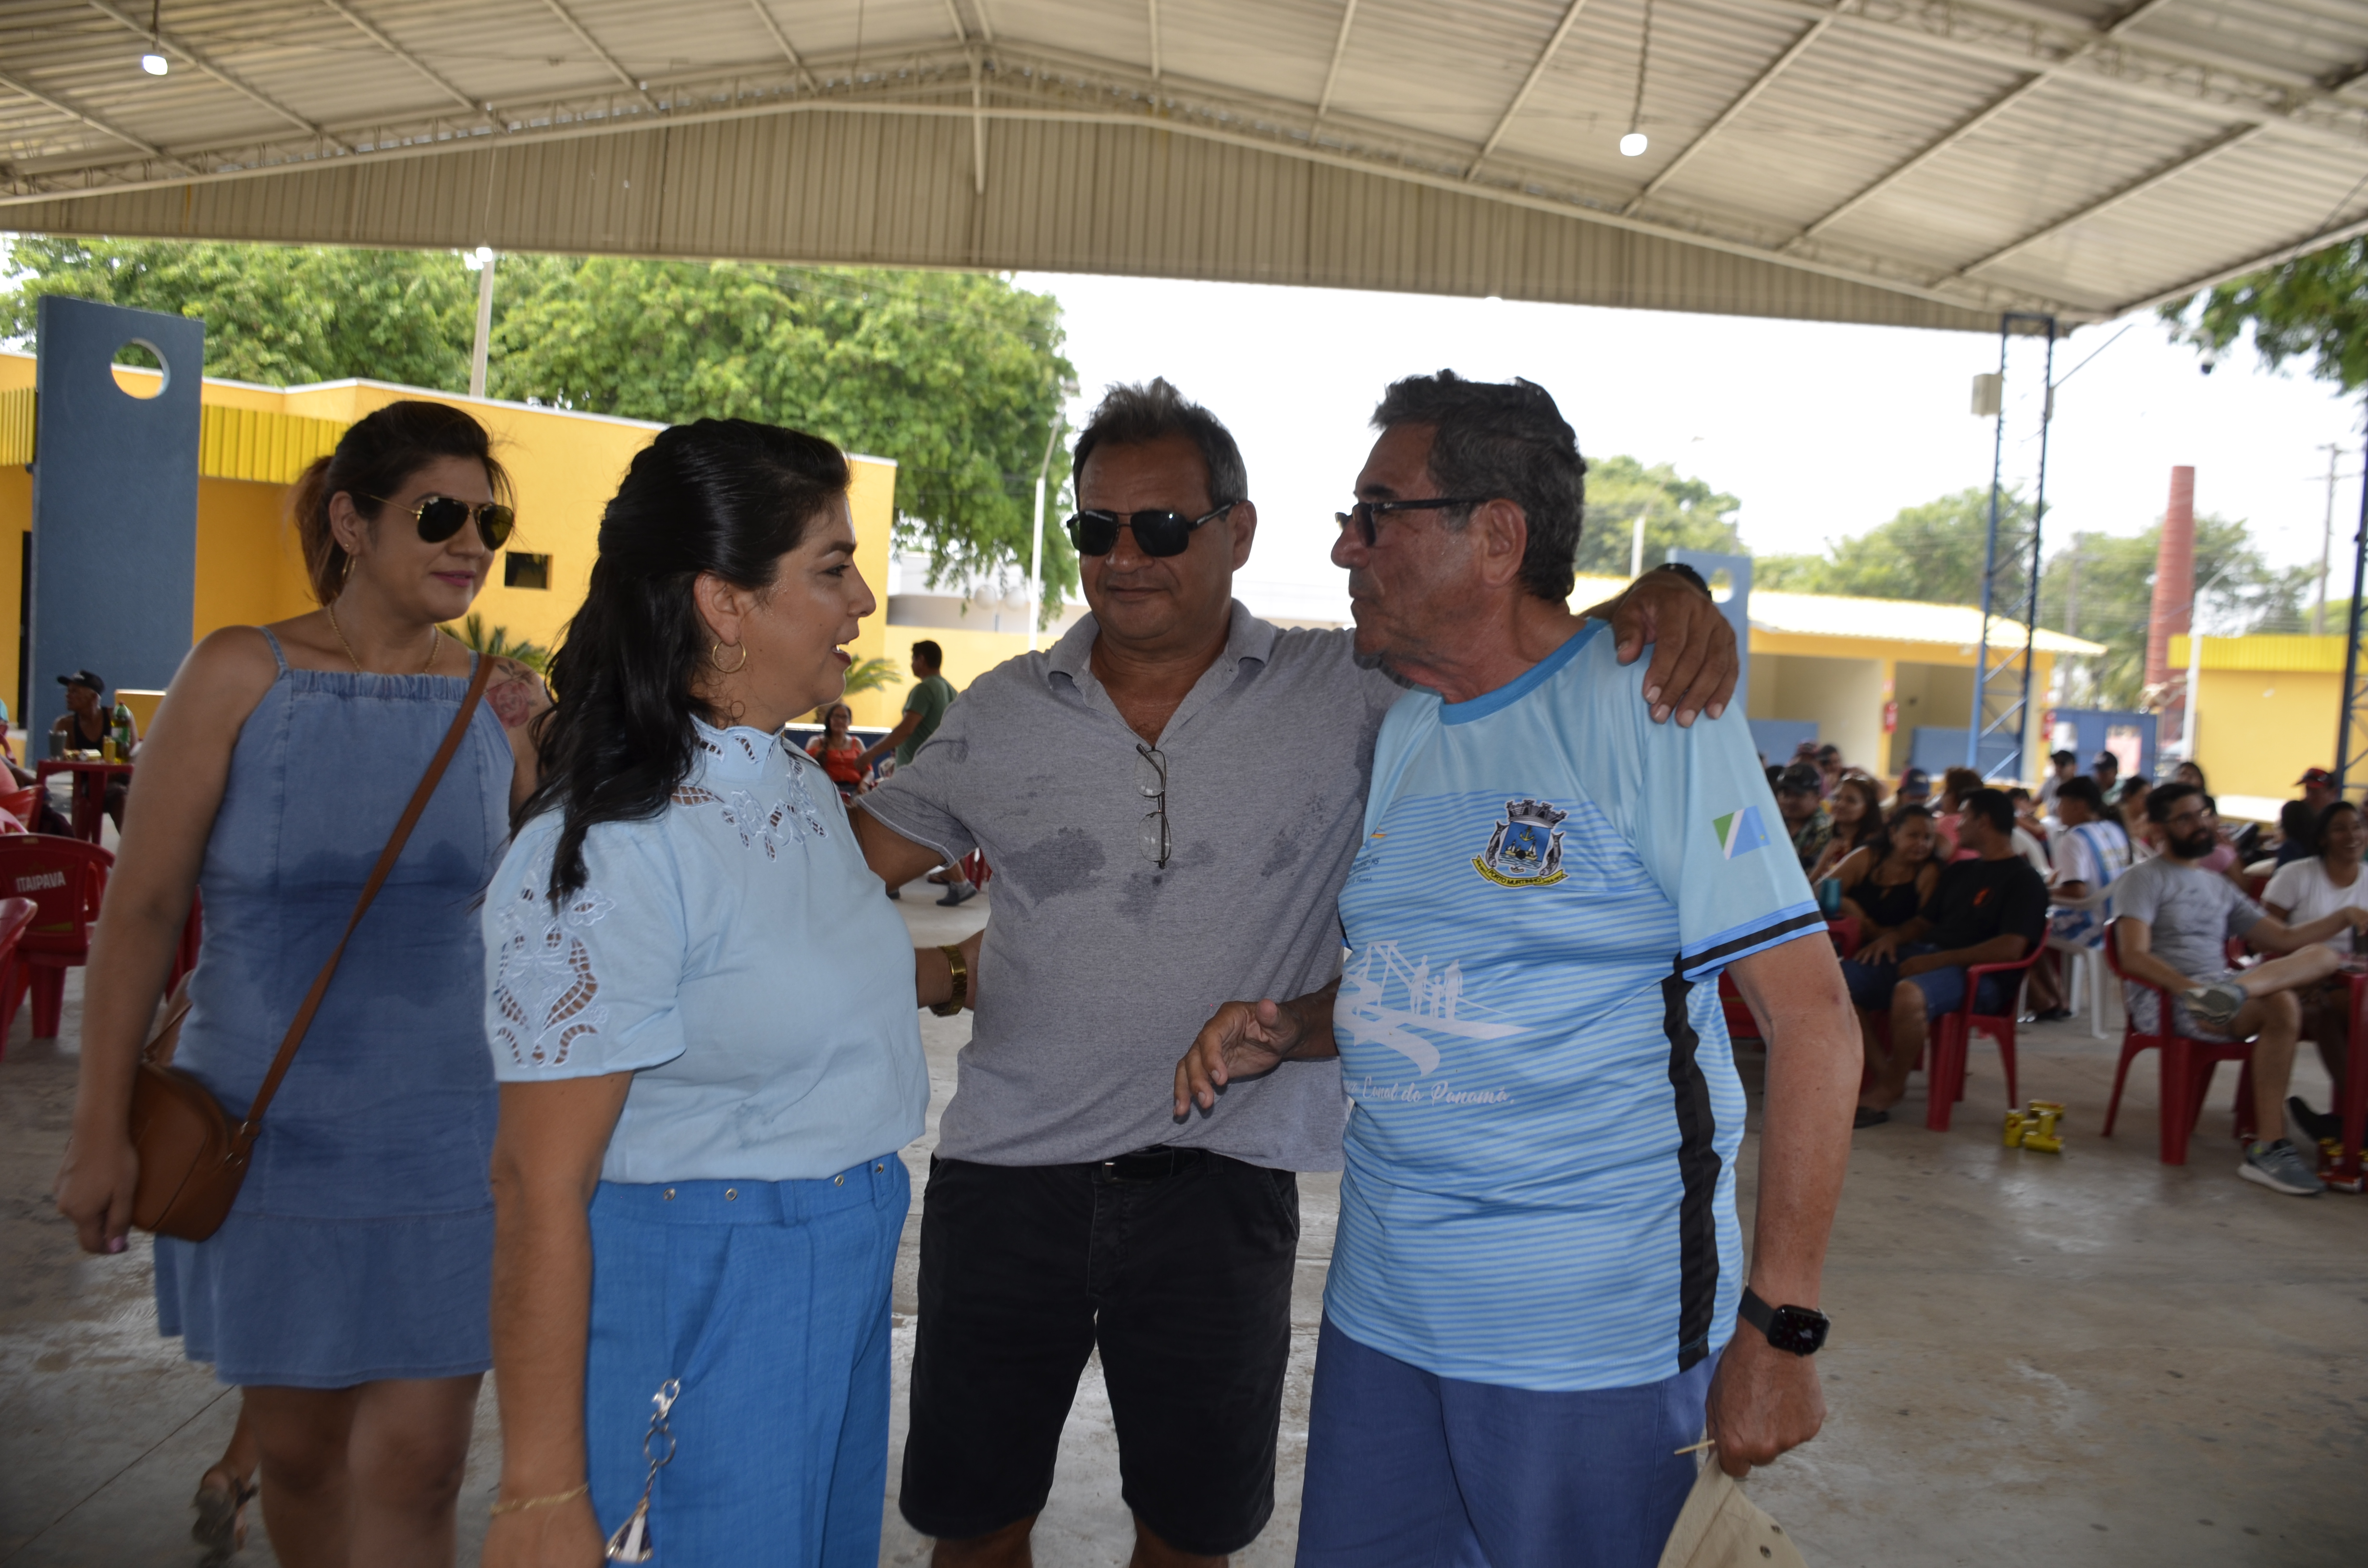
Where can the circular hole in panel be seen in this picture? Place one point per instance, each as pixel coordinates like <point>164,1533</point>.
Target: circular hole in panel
<point>140,369</point>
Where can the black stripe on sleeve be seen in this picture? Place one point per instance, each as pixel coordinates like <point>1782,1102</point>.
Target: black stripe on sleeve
<point>1813,920</point>
<point>1698,1168</point>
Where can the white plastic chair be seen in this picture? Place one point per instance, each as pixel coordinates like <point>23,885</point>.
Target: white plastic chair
<point>2084,967</point>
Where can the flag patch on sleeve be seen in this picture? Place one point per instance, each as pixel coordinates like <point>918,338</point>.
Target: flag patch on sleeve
<point>1740,833</point>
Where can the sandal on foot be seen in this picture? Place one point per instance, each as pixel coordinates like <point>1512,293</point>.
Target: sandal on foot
<point>1864,1119</point>
<point>222,1517</point>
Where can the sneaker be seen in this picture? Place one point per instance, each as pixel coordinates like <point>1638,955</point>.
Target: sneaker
<point>956,892</point>
<point>897,894</point>
<point>2314,1125</point>
<point>2278,1167</point>
<point>2217,1005</point>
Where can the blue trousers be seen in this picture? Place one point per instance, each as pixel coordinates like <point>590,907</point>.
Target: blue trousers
<point>1408,1470</point>
<point>768,1301</point>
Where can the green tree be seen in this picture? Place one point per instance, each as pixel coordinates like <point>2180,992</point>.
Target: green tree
<point>954,376</point>
<point>2314,306</point>
<point>1677,512</point>
<point>1933,553</point>
<point>2109,598</point>
<point>282,316</point>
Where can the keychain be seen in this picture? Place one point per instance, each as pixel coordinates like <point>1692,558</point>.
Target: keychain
<point>632,1542</point>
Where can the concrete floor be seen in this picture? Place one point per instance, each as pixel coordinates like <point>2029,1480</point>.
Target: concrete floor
<point>2036,1359</point>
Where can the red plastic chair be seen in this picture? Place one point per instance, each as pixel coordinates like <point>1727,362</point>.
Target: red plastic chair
<point>15,913</point>
<point>1952,1038</point>
<point>975,868</point>
<point>2187,1066</point>
<point>65,879</point>
<point>1740,1024</point>
<point>24,804</point>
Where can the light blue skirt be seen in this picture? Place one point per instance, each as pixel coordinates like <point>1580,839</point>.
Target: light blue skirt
<point>768,1301</point>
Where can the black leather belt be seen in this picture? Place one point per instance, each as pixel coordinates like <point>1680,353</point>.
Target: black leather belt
<point>1150,1164</point>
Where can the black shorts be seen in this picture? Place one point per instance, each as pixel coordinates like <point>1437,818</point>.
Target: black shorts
<point>1177,1265</point>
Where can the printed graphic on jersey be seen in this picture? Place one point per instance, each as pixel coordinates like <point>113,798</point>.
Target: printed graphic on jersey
<point>1526,850</point>
<point>1740,833</point>
<point>1385,999</point>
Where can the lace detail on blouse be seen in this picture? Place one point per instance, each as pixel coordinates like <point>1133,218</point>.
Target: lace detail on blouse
<point>760,824</point>
<point>546,993</point>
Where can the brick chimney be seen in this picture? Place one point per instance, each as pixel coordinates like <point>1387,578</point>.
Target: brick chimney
<point>2174,595</point>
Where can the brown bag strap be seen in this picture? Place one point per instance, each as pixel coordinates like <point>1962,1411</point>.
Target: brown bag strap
<point>247,1129</point>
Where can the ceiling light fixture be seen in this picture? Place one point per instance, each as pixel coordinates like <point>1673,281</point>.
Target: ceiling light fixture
<point>154,61</point>
<point>1632,146</point>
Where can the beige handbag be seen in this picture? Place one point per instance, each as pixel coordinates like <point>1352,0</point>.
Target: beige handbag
<point>1720,1527</point>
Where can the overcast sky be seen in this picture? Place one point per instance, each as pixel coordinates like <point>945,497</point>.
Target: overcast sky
<point>1822,431</point>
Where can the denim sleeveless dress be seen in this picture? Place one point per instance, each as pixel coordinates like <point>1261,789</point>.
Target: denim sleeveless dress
<point>361,1243</point>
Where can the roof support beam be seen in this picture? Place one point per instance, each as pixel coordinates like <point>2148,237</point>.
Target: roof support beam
<point>1727,116</point>
<point>362,26</point>
<point>1154,38</point>
<point>227,78</point>
<point>2235,137</point>
<point>2291,251</point>
<point>616,68</point>
<point>1986,115</point>
<point>1340,52</point>
<point>1537,73</point>
<point>781,43</point>
<point>59,106</point>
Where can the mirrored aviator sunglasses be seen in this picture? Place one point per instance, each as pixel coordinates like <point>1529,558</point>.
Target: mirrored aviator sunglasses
<point>1155,533</point>
<point>439,517</point>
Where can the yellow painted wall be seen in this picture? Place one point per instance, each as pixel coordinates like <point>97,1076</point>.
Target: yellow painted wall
<point>563,466</point>
<point>2257,729</point>
<point>1843,697</point>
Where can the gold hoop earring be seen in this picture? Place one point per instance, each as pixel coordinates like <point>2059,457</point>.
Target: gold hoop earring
<point>718,664</point>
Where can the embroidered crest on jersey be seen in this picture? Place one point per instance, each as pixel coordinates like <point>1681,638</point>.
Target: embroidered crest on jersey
<point>1526,850</point>
<point>1740,833</point>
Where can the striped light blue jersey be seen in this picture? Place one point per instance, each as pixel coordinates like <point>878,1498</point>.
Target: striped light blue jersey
<point>1540,1188</point>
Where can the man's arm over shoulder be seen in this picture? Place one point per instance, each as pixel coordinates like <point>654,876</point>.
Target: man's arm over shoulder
<point>918,817</point>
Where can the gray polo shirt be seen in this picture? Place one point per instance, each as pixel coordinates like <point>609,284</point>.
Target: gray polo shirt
<point>1099,967</point>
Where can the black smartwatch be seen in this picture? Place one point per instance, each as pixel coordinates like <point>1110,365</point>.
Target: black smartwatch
<point>1689,573</point>
<point>1800,1330</point>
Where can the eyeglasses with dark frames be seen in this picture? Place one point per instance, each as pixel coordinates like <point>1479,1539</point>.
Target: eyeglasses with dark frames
<point>1156,533</point>
<point>1151,780</point>
<point>1364,512</point>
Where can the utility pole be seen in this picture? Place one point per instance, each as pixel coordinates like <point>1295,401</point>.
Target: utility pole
<point>477,351</point>
<point>2325,543</point>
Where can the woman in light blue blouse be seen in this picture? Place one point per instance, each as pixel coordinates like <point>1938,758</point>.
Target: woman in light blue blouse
<point>702,1016</point>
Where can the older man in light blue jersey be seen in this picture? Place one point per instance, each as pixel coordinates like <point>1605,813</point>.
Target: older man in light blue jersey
<point>1534,1290</point>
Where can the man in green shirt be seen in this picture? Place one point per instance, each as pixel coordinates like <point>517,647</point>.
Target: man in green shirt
<point>923,711</point>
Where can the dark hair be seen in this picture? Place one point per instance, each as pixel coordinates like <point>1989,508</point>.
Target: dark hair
<point>1880,845</point>
<point>1869,797</point>
<point>2298,824</point>
<point>1957,783</point>
<point>1991,806</point>
<point>2165,796</point>
<point>925,649</point>
<point>1798,778</point>
<point>2018,793</point>
<point>2137,784</point>
<point>2083,789</point>
<point>1137,415</point>
<point>2202,782</point>
<point>2107,759</point>
<point>375,457</point>
<point>2326,817</point>
<point>2071,756</point>
<point>722,496</point>
<point>1493,440</point>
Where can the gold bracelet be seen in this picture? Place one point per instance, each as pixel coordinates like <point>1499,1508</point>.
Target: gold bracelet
<point>569,1496</point>
<point>954,1004</point>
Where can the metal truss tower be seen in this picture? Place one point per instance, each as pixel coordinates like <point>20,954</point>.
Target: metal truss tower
<point>2024,394</point>
<point>2352,728</point>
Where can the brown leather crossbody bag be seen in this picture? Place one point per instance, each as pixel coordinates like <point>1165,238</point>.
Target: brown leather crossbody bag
<point>192,1157</point>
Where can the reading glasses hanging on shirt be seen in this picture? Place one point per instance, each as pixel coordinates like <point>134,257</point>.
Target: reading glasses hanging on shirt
<point>1151,779</point>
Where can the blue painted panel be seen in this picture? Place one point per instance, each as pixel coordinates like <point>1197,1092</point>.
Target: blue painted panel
<point>1735,606</point>
<point>2090,727</point>
<point>1777,738</point>
<point>114,503</point>
<point>1938,750</point>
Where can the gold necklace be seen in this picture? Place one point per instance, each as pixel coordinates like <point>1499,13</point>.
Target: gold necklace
<point>433,643</point>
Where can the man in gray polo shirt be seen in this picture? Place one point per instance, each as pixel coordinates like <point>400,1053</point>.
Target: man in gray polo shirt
<point>1171,798</point>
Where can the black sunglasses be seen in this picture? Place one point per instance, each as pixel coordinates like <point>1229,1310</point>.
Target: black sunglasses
<point>1364,512</point>
<point>1155,533</point>
<point>441,517</point>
